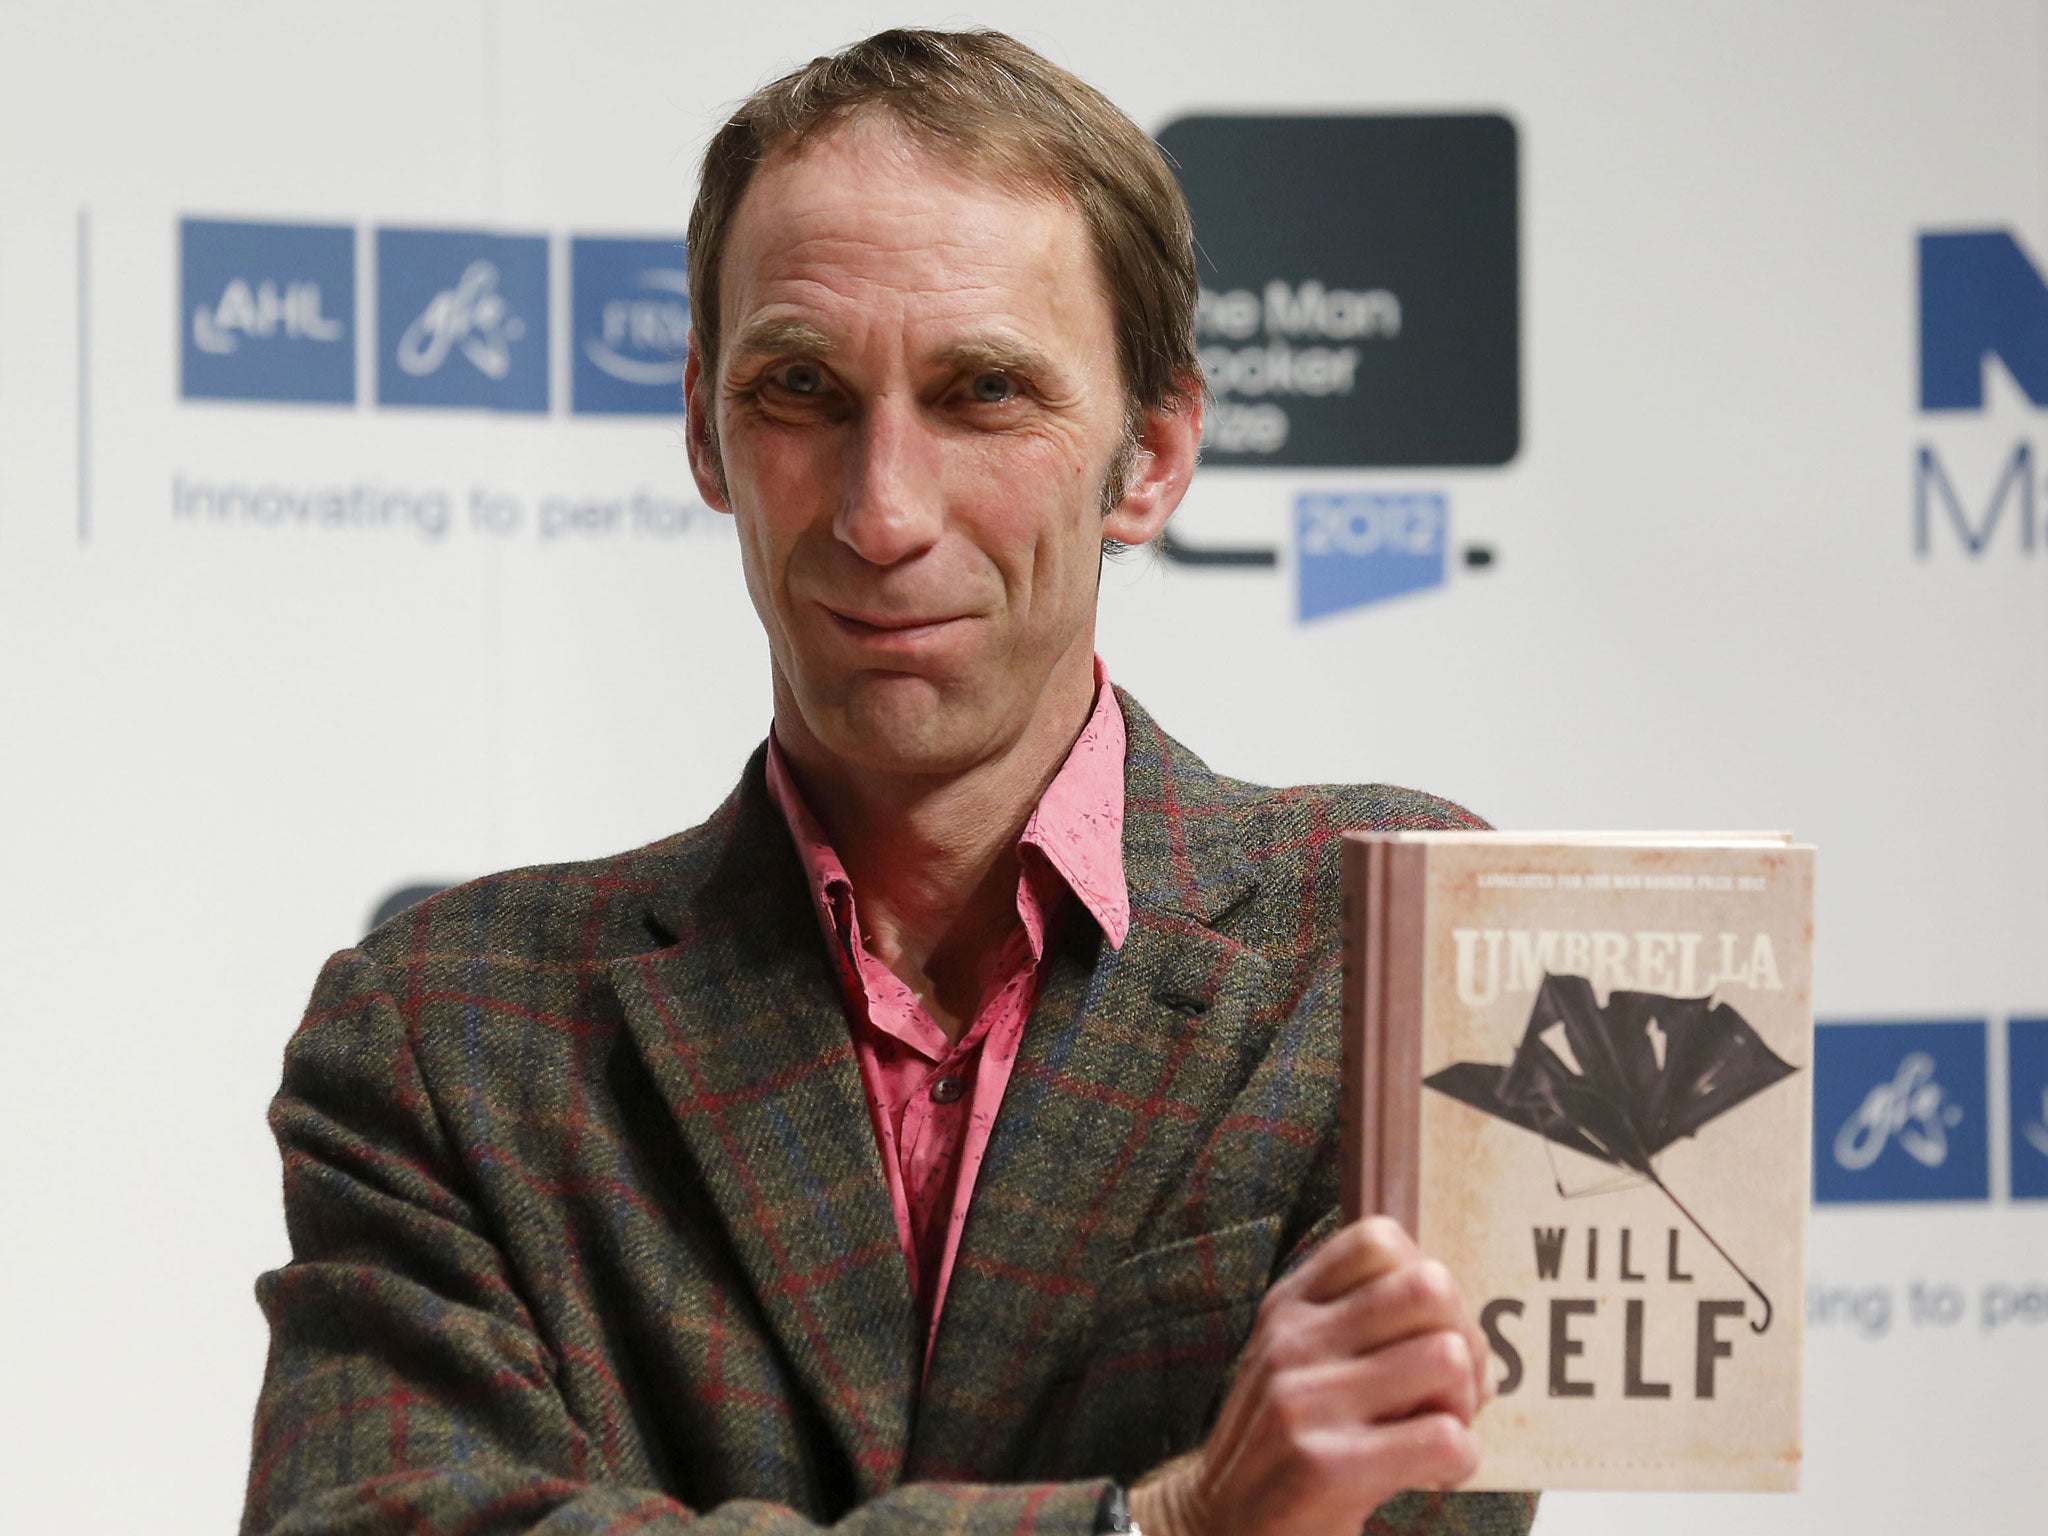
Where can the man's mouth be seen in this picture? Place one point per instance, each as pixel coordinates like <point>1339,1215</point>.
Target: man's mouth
<point>887,627</point>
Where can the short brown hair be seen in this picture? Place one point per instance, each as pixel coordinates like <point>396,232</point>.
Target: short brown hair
<point>985,97</point>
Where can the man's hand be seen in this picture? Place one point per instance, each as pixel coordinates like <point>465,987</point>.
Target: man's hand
<point>1360,1380</point>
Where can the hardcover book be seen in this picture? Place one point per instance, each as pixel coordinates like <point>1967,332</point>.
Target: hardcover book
<point>1577,1069</point>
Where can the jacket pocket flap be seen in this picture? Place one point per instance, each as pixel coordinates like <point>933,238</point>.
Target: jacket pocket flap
<point>1217,1269</point>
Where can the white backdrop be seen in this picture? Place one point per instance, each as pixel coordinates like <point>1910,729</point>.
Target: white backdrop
<point>224,742</point>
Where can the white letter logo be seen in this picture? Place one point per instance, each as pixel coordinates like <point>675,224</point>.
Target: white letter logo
<point>658,329</point>
<point>259,313</point>
<point>473,316</point>
<point>1911,1106</point>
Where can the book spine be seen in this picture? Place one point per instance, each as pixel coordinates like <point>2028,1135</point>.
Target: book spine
<point>1402,1016</point>
<point>1354,1106</point>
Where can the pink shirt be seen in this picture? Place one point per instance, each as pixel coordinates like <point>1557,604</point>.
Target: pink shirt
<point>933,1102</point>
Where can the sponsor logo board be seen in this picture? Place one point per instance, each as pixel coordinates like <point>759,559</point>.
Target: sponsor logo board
<point>1981,297</point>
<point>1983,305</point>
<point>630,325</point>
<point>1899,1112</point>
<point>2026,1058</point>
<point>1359,547</point>
<point>462,319</point>
<point>267,311</point>
<point>1360,289</point>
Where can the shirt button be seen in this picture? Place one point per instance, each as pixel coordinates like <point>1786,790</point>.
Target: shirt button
<point>947,1090</point>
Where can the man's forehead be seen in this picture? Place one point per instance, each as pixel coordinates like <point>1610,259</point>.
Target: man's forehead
<point>871,202</point>
<point>876,142</point>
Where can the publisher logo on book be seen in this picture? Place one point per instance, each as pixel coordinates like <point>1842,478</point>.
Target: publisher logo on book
<point>1983,381</point>
<point>1899,1112</point>
<point>267,311</point>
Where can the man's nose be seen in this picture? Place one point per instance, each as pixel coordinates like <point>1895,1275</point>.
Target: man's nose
<point>892,506</point>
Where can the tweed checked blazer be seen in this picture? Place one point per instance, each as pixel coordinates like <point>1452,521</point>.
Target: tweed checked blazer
<point>590,1232</point>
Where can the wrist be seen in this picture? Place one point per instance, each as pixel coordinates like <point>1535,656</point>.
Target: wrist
<point>1165,1502</point>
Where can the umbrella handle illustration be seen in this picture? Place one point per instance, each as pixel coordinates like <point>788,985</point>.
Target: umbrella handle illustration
<point>1758,1327</point>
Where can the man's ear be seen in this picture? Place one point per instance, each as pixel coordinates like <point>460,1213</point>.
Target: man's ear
<point>1169,443</point>
<point>700,432</point>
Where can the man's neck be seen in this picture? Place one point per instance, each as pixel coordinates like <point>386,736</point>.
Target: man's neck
<point>933,859</point>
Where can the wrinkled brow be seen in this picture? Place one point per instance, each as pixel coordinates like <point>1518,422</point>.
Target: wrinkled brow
<point>770,335</point>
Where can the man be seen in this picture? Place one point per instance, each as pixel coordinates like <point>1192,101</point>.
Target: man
<point>943,1136</point>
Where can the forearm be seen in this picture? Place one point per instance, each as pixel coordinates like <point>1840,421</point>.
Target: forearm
<point>1165,1503</point>
<point>503,1500</point>
<point>388,1407</point>
<point>419,1380</point>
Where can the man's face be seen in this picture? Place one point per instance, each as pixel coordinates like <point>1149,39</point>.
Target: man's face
<point>917,409</point>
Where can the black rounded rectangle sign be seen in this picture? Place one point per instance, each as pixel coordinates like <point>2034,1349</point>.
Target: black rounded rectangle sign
<point>1360,284</point>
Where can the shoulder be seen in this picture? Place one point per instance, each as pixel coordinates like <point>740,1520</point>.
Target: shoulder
<point>1274,817</point>
<point>1294,840</point>
<point>1270,817</point>
<point>584,913</point>
<point>584,909</point>
<point>1288,839</point>
<point>1275,825</point>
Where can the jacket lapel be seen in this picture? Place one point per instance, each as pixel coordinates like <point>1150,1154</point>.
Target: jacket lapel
<point>1126,1058</point>
<point>740,1025</point>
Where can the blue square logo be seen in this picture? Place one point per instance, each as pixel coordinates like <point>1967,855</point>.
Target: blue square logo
<point>2026,1079</point>
<point>462,319</point>
<point>1899,1112</point>
<point>1358,547</point>
<point>630,308</point>
<point>267,311</point>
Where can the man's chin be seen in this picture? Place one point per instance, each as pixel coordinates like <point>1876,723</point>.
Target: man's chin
<point>902,725</point>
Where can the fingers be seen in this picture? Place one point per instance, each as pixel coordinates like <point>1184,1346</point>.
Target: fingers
<point>1357,1255</point>
<point>1417,1298</point>
<point>1406,1295</point>
<point>1433,1452</point>
<point>1430,1373</point>
<point>1328,1479</point>
<point>1361,1378</point>
<point>1360,1470</point>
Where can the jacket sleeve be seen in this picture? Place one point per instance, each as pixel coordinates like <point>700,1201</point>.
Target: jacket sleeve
<point>408,1389</point>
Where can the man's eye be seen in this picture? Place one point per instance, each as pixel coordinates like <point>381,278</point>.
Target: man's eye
<point>991,388</point>
<point>802,379</point>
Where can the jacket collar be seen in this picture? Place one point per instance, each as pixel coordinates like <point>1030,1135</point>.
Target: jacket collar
<point>1183,847</point>
<point>738,1019</point>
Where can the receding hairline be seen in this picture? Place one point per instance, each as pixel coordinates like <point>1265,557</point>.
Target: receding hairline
<point>1003,167</point>
<point>1006,165</point>
<point>772,334</point>
<point>993,110</point>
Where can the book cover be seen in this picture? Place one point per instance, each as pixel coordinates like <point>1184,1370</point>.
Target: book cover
<point>1578,1070</point>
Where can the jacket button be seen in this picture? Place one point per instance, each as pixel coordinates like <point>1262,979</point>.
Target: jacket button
<point>947,1090</point>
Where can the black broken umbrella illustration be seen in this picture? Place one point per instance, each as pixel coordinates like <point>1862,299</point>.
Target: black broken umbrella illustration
<point>1623,1082</point>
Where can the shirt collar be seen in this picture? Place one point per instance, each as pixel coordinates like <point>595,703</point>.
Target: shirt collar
<point>1077,826</point>
<point>1079,823</point>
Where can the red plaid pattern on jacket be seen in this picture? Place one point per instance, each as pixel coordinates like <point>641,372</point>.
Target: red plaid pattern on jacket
<point>590,1234</point>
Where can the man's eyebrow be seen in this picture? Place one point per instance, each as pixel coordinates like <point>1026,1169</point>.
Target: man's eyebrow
<point>997,354</point>
<point>771,335</point>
